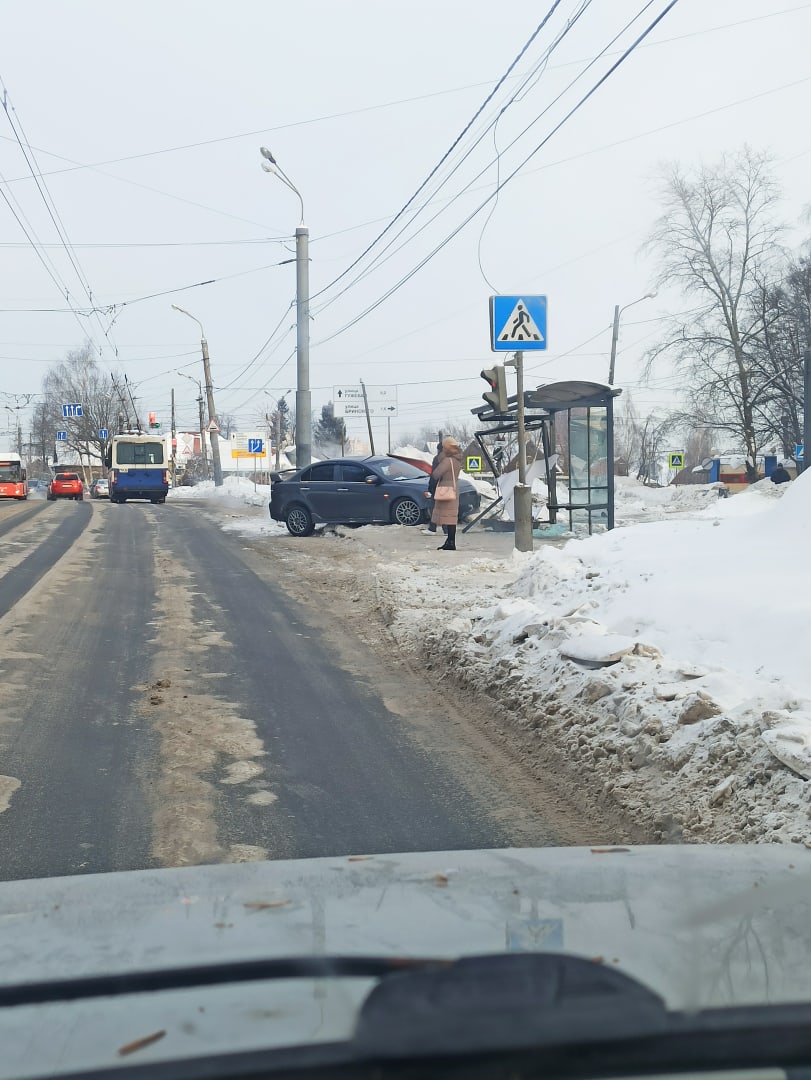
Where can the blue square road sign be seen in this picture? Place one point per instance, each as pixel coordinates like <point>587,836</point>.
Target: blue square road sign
<point>517,322</point>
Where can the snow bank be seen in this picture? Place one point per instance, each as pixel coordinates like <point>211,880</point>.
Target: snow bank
<point>668,659</point>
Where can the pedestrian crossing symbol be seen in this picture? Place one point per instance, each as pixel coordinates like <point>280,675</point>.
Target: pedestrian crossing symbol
<point>676,461</point>
<point>473,463</point>
<point>517,322</point>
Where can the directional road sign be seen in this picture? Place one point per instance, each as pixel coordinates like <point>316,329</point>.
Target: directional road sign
<point>348,400</point>
<point>798,451</point>
<point>517,322</point>
<point>247,445</point>
<point>61,436</point>
<point>103,433</point>
<point>72,410</point>
<point>676,460</point>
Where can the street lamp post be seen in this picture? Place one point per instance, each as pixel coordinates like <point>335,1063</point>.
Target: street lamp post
<point>304,421</point>
<point>616,331</point>
<point>212,415</point>
<point>202,420</point>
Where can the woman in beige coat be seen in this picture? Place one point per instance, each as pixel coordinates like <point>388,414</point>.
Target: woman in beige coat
<point>446,511</point>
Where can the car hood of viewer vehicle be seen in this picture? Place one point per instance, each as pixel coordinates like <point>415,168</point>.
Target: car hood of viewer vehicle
<point>699,925</point>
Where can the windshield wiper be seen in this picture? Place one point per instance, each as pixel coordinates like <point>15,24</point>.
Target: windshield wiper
<point>85,987</point>
<point>502,1016</point>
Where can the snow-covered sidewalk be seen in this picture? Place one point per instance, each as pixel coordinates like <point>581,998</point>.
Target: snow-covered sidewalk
<point>669,658</point>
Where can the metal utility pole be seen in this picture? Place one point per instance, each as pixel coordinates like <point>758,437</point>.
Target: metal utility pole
<point>522,493</point>
<point>212,414</point>
<point>304,408</point>
<point>278,435</point>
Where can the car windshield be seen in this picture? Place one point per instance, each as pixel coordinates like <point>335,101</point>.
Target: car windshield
<point>400,470</point>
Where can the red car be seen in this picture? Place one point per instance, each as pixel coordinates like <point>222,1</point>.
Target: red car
<point>66,485</point>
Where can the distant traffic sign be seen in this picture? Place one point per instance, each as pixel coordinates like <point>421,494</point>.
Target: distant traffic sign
<point>798,452</point>
<point>676,460</point>
<point>517,322</point>
<point>72,410</point>
<point>103,433</point>
<point>213,427</point>
<point>256,446</point>
<point>61,436</point>
<point>473,463</point>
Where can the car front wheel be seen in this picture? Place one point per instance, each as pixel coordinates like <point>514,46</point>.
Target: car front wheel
<point>299,521</point>
<point>406,512</point>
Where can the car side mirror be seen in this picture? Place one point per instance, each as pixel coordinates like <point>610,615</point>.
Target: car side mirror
<point>372,479</point>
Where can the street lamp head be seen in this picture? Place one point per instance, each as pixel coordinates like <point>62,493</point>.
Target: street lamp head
<point>263,150</point>
<point>269,168</point>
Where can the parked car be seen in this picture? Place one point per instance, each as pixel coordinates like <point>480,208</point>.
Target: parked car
<point>100,489</point>
<point>66,485</point>
<point>377,490</point>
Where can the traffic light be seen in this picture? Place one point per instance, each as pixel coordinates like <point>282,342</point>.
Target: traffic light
<point>497,397</point>
<point>154,423</point>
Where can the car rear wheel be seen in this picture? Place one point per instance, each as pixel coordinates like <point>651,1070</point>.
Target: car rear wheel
<point>406,512</point>
<point>299,521</point>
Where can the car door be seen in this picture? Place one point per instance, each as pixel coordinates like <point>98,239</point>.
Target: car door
<point>360,494</point>
<point>318,491</point>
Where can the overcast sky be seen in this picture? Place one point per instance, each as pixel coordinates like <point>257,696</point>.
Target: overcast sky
<point>146,121</point>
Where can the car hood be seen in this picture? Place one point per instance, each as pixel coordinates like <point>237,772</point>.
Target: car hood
<point>699,925</point>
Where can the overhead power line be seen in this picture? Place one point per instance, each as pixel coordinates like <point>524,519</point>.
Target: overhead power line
<point>575,108</point>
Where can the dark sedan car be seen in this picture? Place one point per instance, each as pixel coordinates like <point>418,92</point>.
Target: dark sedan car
<point>358,491</point>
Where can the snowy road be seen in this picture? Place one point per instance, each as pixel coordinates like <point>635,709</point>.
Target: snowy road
<point>165,702</point>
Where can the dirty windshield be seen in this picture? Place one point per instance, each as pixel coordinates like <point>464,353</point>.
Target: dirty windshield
<point>392,615</point>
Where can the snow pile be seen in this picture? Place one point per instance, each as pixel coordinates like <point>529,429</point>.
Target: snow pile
<point>235,491</point>
<point>670,659</point>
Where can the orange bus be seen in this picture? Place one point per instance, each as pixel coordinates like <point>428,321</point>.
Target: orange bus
<point>13,482</point>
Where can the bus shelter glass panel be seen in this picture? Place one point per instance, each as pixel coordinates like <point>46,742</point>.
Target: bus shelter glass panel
<point>588,469</point>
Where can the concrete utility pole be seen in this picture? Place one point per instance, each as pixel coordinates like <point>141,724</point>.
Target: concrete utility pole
<point>212,414</point>
<point>522,492</point>
<point>173,446</point>
<point>304,408</point>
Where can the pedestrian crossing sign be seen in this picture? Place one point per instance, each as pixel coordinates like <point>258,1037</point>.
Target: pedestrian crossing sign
<point>473,463</point>
<point>517,323</point>
<point>676,461</point>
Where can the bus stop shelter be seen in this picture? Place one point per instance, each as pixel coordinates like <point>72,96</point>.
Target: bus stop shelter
<point>584,411</point>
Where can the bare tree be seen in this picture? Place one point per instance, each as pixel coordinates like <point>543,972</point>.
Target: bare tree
<point>79,380</point>
<point>784,312</point>
<point>718,242</point>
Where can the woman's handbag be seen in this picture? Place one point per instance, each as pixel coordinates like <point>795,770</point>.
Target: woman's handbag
<point>446,494</point>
